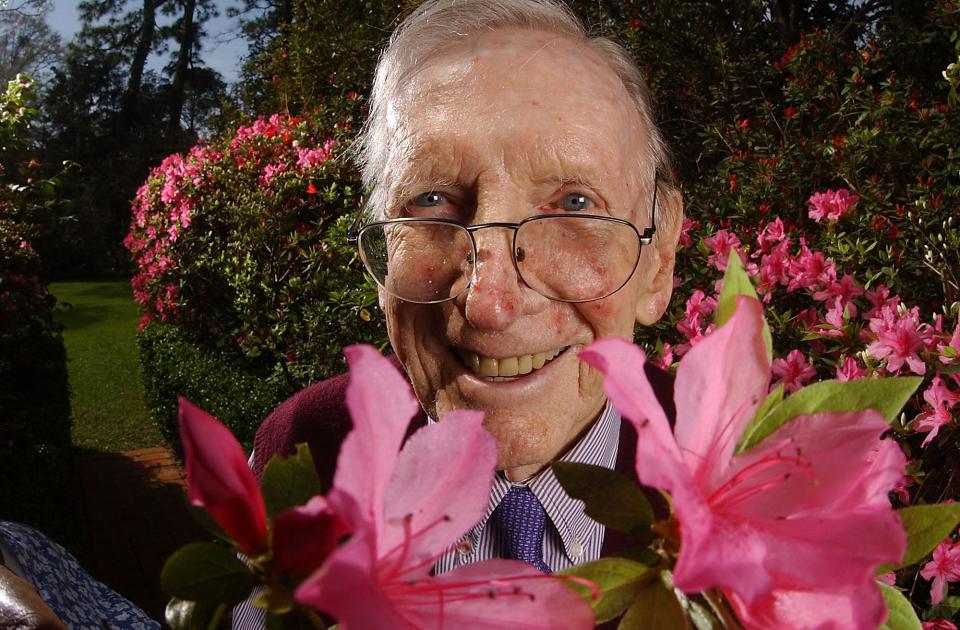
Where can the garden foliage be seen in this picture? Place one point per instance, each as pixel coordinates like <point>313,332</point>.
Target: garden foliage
<point>828,161</point>
<point>34,396</point>
<point>241,245</point>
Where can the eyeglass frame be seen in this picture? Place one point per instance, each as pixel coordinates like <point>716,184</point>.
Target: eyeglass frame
<point>646,238</point>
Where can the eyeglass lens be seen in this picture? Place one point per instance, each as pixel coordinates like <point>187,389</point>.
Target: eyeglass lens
<point>574,259</point>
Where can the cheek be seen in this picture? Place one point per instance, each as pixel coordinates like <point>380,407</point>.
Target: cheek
<point>609,317</point>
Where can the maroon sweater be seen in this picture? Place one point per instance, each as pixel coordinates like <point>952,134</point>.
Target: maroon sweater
<point>318,416</point>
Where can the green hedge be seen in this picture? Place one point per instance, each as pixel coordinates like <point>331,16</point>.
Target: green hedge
<point>174,366</point>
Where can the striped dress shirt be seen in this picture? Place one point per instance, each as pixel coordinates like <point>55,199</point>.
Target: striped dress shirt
<point>571,537</point>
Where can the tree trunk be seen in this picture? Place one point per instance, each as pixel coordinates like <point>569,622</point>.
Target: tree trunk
<point>178,88</point>
<point>131,97</point>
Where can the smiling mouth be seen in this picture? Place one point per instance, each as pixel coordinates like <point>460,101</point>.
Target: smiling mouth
<point>507,368</point>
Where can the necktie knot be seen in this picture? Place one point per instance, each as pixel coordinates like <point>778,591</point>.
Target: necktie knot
<point>522,520</point>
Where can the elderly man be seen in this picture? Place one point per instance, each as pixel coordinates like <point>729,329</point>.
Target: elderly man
<point>515,173</point>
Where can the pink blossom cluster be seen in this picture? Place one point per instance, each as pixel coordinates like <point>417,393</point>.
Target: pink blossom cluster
<point>831,205</point>
<point>943,568</point>
<point>860,332</point>
<point>184,185</point>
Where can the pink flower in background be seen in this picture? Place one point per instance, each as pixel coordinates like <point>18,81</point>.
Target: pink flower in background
<point>949,352</point>
<point>938,624</point>
<point>407,509</point>
<point>811,270</point>
<point>795,526</point>
<point>308,158</point>
<point>833,321</point>
<point>943,568</point>
<point>879,298</point>
<point>720,246</point>
<point>831,205</point>
<point>899,339</point>
<point>844,289</point>
<point>940,401</point>
<point>219,479</point>
<point>793,372</point>
<point>850,370</point>
<point>774,269</point>
<point>687,225</point>
<point>772,234</point>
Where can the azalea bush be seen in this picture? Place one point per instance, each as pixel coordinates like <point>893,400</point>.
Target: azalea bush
<point>838,189</point>
<point>34,396</point>
<point>780,512</point>
<point>241,244</point>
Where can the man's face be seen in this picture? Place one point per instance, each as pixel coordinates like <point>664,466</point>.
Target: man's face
<point>508,125</point>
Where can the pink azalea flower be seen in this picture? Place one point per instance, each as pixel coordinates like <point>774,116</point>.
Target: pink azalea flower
<point>811,270</point>
<point>772,234</point>
<point>720,246</point>
<point>688,224</point>
<point>943,568</point>
<point>939,400</point>
<point>793,372</point>
<point>938,624</point>
<point>949,356</point>
<point>775,267</point>
<point>900,338</point>
<point>845,290</point>
<point>831,205</point>
<point>219,479</point>
<point>834,320</point>
<point>879,298</point>
<point>791,531</point>
<point>407,509</point>
<point>850,370</point>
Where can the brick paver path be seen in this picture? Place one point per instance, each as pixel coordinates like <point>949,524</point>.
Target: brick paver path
<point>133,516</point>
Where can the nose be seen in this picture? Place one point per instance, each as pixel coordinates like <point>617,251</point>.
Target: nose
<point>497,295</point>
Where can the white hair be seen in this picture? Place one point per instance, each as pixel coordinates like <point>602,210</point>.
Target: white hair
<point>437,25</point>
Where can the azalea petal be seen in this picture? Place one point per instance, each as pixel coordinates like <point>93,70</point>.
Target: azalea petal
<point>219,479</point>
<point>381,405</point>
<point>819,462</point>
<point>347,587</point>
<point>720,384</point>
<point>855,607</point>
<point>659,462</point>
<point>440,488</point>
<point>498,594</point>
<point>304,536</point>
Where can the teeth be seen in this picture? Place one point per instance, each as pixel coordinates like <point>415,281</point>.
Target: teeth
<point>508,366</point>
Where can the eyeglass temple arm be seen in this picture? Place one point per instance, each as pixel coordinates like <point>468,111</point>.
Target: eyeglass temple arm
<point>647,237</point>
<point>353,232</point>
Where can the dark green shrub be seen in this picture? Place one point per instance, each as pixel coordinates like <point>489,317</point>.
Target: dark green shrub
<point>35,478</point>
<point>175,366</point>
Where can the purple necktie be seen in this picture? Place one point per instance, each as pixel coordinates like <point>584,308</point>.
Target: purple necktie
<point>522,520</point>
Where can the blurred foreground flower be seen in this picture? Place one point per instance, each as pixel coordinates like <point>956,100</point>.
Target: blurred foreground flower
<point>401,511</point>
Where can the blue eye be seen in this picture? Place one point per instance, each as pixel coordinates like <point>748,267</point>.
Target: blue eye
<point>428,199</point>
<point>575,202</point>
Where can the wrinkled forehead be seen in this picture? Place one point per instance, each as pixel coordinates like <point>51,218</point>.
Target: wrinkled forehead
<point>531,86</point>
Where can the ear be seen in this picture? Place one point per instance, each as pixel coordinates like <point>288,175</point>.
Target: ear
<point>659,261</point>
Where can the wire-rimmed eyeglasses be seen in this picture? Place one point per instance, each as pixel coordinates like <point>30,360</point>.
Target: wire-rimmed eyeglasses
<point>565,257</point>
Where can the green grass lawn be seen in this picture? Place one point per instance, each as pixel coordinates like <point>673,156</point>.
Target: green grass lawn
<point>99,329</point>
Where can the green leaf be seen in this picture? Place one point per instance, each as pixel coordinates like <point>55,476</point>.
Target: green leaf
<point>926,526</point>
<point>206,572</point>
<point>609,497</point>
<point>900,613</point>
<point>619,581</point>
<point>737,282</point>
<point>886,395</point>
<point>656,607</point>
<point>289,482</point>
<point>182,614</point>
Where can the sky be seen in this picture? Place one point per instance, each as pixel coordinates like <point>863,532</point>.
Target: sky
<point>223,50</point>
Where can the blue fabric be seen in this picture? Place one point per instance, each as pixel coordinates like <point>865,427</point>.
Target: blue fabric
<point>81,601</point>
<point>522,521</point>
